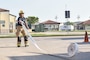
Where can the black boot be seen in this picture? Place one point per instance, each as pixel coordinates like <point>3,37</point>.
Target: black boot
<point>26,41</point>
<point>19,42</point>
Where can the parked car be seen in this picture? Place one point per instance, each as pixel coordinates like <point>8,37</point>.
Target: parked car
<point>67,28</point>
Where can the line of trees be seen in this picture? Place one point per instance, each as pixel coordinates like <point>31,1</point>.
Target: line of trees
<point>32,20</point>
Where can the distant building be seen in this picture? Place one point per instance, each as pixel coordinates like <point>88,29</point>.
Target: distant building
<point>76,25</point>
<point>84,25</point>
<point>33,26</point>
<point>7,22</point>
<point>50,25</point>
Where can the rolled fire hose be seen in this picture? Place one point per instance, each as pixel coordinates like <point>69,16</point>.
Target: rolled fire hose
<point>72,49</point>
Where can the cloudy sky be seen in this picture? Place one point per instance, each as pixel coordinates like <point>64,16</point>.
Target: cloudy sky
<point>48,9</point>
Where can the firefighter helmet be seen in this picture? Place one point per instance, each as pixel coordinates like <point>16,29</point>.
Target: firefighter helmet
<point>21,12</point>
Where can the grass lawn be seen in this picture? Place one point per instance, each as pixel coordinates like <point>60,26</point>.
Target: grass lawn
<point>46,34</point>
<point>43,35</point>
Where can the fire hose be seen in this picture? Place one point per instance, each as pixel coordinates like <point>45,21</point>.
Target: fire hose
<point>72,49</point>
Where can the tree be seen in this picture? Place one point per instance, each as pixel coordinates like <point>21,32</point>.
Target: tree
<point>32,19</point>
<point>69,23</point>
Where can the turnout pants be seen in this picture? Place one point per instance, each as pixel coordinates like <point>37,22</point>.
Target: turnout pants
<point>21,30</point>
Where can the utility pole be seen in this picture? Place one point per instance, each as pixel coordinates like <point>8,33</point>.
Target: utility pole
<point>78,17</point>
<point>56,17</point>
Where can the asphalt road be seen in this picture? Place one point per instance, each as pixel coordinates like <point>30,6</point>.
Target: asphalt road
<point>53,45</point>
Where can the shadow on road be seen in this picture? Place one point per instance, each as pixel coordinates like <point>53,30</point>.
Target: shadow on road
<point>76,38</point>
<point>68,38</point>
<point>73,38</point>
<point>83,43</point>
<point>41,56</point>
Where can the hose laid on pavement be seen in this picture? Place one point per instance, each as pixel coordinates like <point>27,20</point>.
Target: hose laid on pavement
<point>72,49</point>
<point>30,37</point>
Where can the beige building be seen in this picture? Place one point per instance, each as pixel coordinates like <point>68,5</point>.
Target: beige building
<point>7,22</point>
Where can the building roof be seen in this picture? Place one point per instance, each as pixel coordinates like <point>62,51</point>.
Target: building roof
<point>3,10</point>
<point>50,22</point>
<point>86,22</point>
<point>12,15</point>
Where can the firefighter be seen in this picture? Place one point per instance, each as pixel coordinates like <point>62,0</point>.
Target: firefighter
<point>21,30</point>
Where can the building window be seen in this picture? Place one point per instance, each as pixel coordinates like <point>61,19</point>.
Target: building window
<point>3,25</point>
<point>2,22</point>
